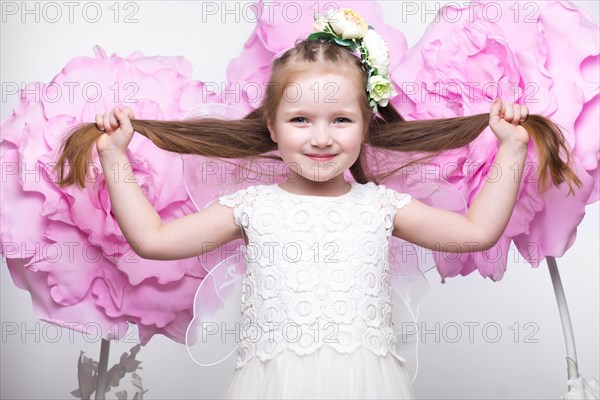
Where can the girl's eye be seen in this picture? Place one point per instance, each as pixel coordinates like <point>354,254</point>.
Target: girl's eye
<point>342,119</point>
<point>298,119</point>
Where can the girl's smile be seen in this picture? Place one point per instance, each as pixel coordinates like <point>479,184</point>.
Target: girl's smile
<point>321,157</point>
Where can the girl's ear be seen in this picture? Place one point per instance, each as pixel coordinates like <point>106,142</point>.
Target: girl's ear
<point>272,131</point>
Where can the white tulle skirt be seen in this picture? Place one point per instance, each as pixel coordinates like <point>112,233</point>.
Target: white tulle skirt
<point>325,374</point>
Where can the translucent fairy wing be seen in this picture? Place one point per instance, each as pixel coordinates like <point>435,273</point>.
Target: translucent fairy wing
<point>408,293</point>
<point>214,332</point>
<point>408,263</point>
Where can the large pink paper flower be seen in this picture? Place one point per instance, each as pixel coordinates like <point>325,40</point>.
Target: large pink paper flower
<point>548,60</point>
<point>65,246</point>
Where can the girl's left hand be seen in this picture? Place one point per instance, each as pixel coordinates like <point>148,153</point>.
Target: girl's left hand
<point>505,119</point>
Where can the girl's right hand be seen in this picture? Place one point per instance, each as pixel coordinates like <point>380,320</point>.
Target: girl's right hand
<point>117,128</point>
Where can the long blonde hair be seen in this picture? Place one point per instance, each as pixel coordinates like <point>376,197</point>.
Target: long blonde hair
<point>249,137</point>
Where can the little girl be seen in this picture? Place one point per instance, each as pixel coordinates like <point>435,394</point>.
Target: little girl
<point>322,107</point>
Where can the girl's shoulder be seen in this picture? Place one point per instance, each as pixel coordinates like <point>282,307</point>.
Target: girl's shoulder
<point>244,195</point>
<point>390,198</point>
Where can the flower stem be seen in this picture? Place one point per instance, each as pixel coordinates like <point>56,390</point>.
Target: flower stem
<point>102,367</point>
<point>565,319</point>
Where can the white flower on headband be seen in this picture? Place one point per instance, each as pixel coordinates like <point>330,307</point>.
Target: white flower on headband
<point>379,55</point>
<point>347,23</point>
<point>348,28</point>
<point>380,89</point>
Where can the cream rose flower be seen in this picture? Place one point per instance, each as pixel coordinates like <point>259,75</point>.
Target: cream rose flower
<point>380,89</point>
<point>348,24</point>
<point>379,54</point>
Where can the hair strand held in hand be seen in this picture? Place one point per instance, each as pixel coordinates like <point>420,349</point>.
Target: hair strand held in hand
<point>249,137</point>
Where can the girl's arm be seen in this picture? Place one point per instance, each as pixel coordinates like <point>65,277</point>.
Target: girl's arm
<point>141,225</point>
<point>491,210</point>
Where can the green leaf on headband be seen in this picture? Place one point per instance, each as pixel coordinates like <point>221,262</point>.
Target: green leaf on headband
<point>342,42</point>
<point>320,35</point>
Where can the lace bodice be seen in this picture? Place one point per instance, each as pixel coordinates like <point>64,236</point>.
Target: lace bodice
<point>316,270</point>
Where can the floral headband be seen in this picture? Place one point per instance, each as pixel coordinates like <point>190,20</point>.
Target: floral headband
<point>348,28</point>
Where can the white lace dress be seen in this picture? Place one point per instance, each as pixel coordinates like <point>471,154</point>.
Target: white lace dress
<point>316,295</point>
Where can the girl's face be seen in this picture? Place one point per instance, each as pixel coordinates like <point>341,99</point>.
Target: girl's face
<point>318,126</point>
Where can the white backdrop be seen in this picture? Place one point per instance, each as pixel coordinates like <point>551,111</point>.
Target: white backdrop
<point>36,364</point>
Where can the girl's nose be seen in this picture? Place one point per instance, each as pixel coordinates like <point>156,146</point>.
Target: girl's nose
<point>321,137</point>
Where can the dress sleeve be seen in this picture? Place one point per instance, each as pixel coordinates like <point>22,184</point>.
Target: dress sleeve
<point>398,200</point>
<point>237,200</point>
<point>391,201</point>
